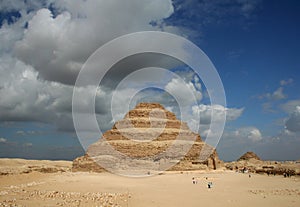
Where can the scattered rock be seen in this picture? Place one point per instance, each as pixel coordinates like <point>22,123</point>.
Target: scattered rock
<point>61,198</point>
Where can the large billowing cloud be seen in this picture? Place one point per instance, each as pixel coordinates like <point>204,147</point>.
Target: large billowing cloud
<point>43,50</point>
<point>58,46</point>
<point>292,108</point>
<point>27,98</point>
<point>54,46</point>
<point>293,122</point>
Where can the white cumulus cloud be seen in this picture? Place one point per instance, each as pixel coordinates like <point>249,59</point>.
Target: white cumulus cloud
<point>293,122</point>
<point>243,135</point>
<point>183,91</point>
<point>205,112</point>
<point>58,46</point>
<point>3,140</point>
<point>54,46</point>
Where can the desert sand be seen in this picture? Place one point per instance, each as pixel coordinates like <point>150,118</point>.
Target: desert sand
<point>66,188</point>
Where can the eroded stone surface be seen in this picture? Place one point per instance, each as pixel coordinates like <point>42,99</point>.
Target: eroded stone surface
<point>148,138</point>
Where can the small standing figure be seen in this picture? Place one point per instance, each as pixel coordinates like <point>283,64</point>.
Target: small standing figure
<point>209,184</point>
<point>194,180</point>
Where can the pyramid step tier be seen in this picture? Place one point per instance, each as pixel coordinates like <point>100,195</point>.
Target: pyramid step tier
<point>162,149</point>
<point>153,113</point>
<point>152,134</point>
<point>155,134</point>
<point>150,123</point>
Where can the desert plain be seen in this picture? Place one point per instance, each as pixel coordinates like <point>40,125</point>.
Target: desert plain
<point>52,183</point>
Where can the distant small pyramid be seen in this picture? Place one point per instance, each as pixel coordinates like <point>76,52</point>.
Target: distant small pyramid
<point>248,156</point>
<point>142,139</point>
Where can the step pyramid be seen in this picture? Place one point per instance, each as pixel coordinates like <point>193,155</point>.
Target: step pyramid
<point>148,140</point>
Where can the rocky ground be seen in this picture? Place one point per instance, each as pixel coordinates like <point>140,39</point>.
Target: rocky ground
<point>23,195</point>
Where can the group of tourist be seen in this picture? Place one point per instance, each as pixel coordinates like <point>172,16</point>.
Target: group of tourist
<point>287,174</point>
<point>209,183</point>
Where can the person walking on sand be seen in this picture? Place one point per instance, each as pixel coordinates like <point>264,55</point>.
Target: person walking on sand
<point>209,185</point>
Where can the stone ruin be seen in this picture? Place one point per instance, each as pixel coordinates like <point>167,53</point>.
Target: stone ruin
<point>149,139</point>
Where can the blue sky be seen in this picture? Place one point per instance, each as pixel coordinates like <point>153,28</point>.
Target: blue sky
<point>254,46</point>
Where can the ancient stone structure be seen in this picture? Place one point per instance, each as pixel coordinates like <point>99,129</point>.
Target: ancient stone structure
<point>149,138</point>
<point>254,164</point>
<point>248,156</point>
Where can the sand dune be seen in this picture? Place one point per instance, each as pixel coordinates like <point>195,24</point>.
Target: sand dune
<point>20,166</point>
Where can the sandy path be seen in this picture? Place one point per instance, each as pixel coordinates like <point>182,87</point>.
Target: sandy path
<point>171,189</point>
